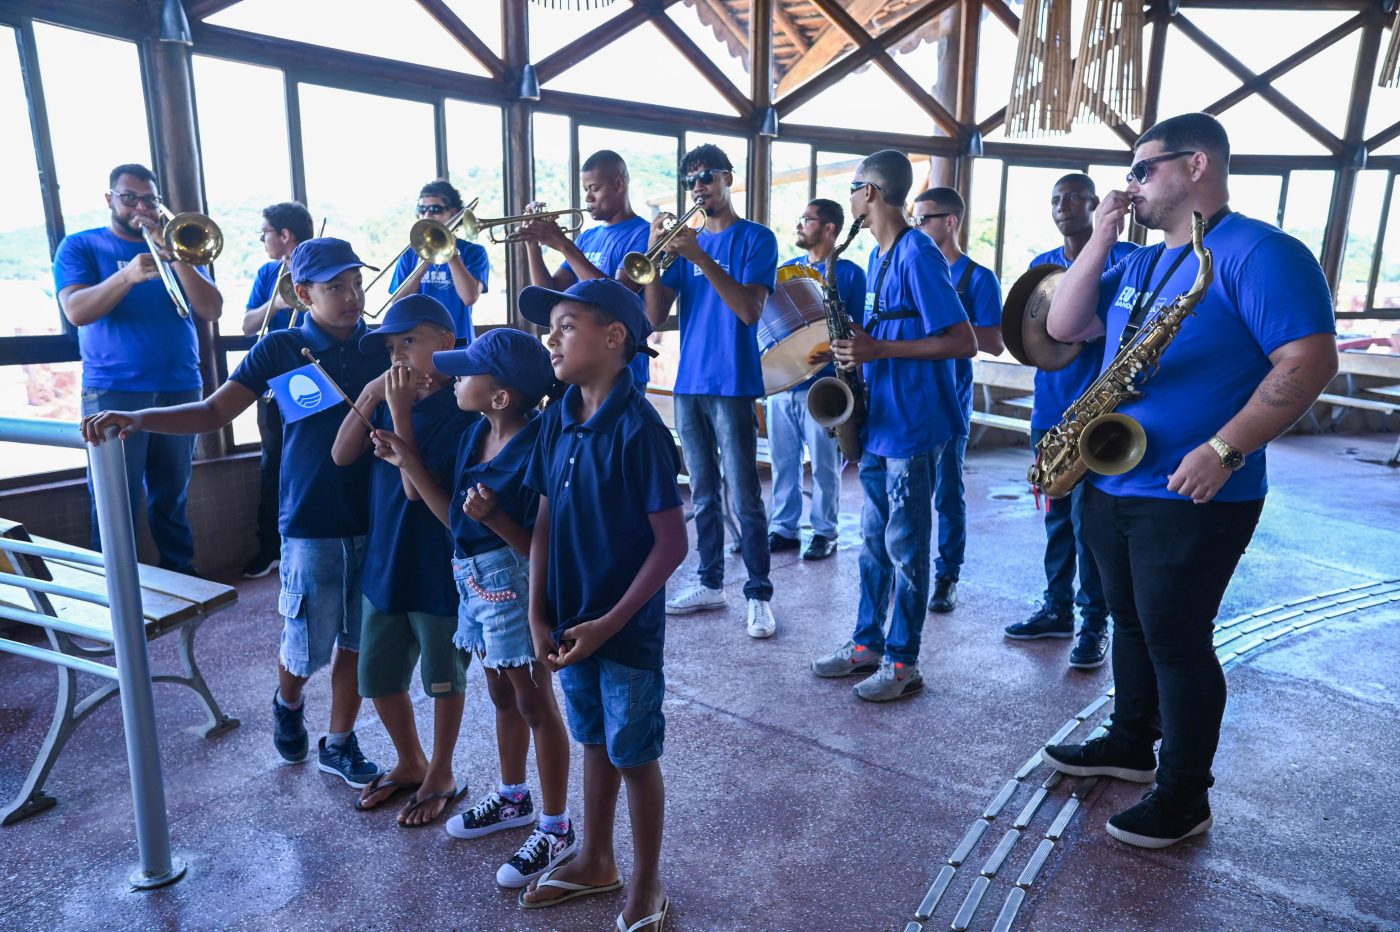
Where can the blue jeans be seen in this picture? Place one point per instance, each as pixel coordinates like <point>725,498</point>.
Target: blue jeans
<point>897,521</point>
<point>790,427</point>
<point>1064,542</point>
<point>951,506</point>
<point>715,429</point>
<point>159,463</point>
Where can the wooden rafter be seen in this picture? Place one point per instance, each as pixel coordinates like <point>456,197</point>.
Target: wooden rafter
<point>827,47</point>
<point>467,39</point>
<point>203,9</point>
<point>703,64</point>
<point>1001,11</point>
<point>1306,53</point>
<point>598,38</point>
<point>726,22</point>
<point>790,29</point>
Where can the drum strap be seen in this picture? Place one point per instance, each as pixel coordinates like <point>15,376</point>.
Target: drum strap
<point>875,315</point>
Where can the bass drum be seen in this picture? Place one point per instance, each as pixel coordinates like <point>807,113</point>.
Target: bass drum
<point>791,328</point>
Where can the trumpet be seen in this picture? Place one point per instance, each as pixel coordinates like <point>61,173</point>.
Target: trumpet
<point>191,238</point>
<point>514,225</point>
<point>645,267</point>
<point>434,242</point>
<point>288,293</point>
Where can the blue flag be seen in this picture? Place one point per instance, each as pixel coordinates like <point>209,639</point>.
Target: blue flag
<point>302,392</point>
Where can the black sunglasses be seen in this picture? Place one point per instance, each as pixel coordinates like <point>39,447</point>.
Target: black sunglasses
<point>1143,169</point>
<point>857,185</point>
<point>920,221</point>
<point>705,177</point>
<point>432,209</point>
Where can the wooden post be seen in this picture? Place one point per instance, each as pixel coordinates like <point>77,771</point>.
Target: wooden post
<point>943,170</point>
<point>520,143</point>
<point>760,180</point>
<point>969,39</point>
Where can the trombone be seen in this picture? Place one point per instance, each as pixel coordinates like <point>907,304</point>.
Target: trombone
<point>645,267</point>
<point>434,242</point>
<point>288,293</point>
<point>191,238</point>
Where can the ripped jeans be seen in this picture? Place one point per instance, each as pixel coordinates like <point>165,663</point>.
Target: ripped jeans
<point>896,520</point>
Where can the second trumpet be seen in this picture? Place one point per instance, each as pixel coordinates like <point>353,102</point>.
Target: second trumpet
<point>645,267</point>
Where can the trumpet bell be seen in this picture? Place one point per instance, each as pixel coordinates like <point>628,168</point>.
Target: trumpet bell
<point>193,238</point>
<point>1112,444</point>
<point>640,268</point>
<point>830,402</point>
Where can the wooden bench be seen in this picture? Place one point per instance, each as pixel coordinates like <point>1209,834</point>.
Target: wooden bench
<point>1351,364</point>
<point>988,374</point>
<point>68,601</point>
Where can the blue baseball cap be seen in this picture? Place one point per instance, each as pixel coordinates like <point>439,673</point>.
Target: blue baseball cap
<point>512,357</point>
<point>615,298</point>
<point>323,258</point>
<point>405,314</point>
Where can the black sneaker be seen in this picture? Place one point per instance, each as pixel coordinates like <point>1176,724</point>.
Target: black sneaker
<point>1091,650</point>
<point>262,564</point>
<point>1101,757</point>
<point>541,851</point>
<point>1160,821</point>
<point>780,542</point>
<point>819,548</point>
<point>289,731</point>
<point>347,762</point>
<point>1045,623</point>
<point>493,814</point>
<point>945,595</point>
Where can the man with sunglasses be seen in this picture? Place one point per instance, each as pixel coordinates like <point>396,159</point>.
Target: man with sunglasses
<point>1168,534</point>
<point>457,283</point>
<point>914,327</point>
<point>1072,204</point>
<point>938,213</point>
<point>137,351</point>
<point>722,275</point>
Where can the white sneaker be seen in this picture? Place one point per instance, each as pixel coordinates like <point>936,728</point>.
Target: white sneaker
<point>696,598</point>
<point>761,623</point>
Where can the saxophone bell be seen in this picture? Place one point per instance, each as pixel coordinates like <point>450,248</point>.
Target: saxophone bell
<point>1112,444</point>
<point>830,402</point>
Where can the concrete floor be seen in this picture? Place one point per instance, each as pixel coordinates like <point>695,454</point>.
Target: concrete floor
<point>792,805</point>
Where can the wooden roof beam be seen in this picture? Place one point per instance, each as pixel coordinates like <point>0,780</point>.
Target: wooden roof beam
<point>790,29</point>
<point>704,64</point>
<point>727,23</point>
<point>1304,54</point>
<point>550,67</point>
<point>203,9</point>
<point>467,39</point>
<point>829,46</point>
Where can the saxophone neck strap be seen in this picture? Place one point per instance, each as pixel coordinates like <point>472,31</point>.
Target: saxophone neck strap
<point>1145,299</point>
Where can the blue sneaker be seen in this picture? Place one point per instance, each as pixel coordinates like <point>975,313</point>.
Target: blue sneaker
<point>289,731</point>
<point>346,762</point>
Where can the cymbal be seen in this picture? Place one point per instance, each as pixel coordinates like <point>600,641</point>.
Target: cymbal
<point>1023,319</point>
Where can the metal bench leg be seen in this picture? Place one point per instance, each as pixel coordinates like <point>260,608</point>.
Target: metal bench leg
<point>31,799</point>
<point>218,722</point>
<point>1394,454</point>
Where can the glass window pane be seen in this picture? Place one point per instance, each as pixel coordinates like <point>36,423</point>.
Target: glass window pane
<point>867,99</point>
<point>1029,230</point>
<point>551,28</point>
<point>26,274</point>
<point>651,165</point>
<point>51,391</point>
<point>366,157</point>
<point>834,173</point>
<point>1309,202</point>
<point>553,185</point>
<point>245,426</point>
<point>484,19</point>
<point>476,165</point>
<point>1388,282</point>
<point>792,180</point>
<point>982,216</point>
<point>1257,196</point>
<point>1361,240</point>
<point>243,140</point>
<point>92,133</point>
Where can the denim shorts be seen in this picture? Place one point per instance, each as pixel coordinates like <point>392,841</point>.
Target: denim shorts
<point>493,610</point>
<point>320,601</point>
<point>620,706</point>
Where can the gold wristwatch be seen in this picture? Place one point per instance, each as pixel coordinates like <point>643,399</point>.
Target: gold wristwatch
<point>1230,458</point>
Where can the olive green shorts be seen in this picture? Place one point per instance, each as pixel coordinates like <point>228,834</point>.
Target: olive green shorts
<point>392,642</point>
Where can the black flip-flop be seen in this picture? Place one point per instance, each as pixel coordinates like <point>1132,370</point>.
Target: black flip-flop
<point>415,803</point>
<point>382,782</point>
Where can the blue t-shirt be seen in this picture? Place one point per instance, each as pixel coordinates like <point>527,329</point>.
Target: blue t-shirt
<point>1056,391</point>
<point>604,478</point>
<point>261,293</point>
<point>1268,291</point>
<point>408,556</point>
<point>719,352</point>
<point>318,498</point>
<point>503,474</point>
<point>850,285</point>
<point>605,246</point>
<point>142,344</point>
<point>982,302</point>
<point>913,403</point>
<point>437,282</point>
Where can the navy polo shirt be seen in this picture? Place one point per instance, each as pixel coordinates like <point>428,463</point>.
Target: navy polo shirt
<point>437,283</point>
<point>142,344</point>
<point>503,474</point>
<point>981,299</point>
<point>605,246</point>
<point>408,557</point>
<point>263,286</point>
<point>319,499</point>
<point>604,478</point>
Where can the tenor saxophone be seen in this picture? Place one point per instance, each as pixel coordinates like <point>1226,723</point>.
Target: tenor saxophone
<point>1091,436</point>
<point>838,403</point>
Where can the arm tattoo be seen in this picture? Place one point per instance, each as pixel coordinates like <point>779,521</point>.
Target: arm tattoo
<point>1281,390</point>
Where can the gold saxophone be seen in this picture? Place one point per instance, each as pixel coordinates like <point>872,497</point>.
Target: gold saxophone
<point>1091,435</point>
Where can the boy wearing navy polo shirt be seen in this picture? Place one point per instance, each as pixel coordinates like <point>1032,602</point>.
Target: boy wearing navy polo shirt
<point>409,600</point>
<point>722,276</point>
<point>460,281</point>
<point>1168,533</point>
<point>599,251</point>
<point>605,468</point>
<point>914,328</point>
<point>325,508</point>
<point>1072,205</point>
<point>938,212</point>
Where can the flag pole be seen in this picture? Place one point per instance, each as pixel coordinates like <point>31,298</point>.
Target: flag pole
<point>335,385</point>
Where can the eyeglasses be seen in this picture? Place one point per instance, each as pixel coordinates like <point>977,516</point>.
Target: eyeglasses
<point>433,209</point>
<point>705,177</point>
<point>263,235</point>
<point>131,199</point>
<point>857,185</point>
<point>804,220</point>
<point>1143,169</point>
<point>917,221</point>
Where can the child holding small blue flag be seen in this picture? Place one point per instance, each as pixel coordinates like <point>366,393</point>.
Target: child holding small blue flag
<point>324,512</point>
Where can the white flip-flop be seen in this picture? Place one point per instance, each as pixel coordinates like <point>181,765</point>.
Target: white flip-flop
<point>658,918</point>
<point>573,891</point>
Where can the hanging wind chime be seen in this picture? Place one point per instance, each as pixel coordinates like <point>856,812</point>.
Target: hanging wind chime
<point>1108,73</point>
<point>1390,70</point>
<point>573,4</point>
<point>1040,84</point>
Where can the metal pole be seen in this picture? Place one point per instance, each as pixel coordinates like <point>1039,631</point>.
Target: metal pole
<point>108,467</point>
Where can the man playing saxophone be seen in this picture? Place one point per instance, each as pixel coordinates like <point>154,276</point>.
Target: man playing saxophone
<point>1168,533</point>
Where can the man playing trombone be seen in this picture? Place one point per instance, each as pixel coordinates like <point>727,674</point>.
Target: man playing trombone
<point>457,283</point>
<point>138,350</point>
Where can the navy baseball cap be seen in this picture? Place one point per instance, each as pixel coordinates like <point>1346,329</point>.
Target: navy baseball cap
<point>615,298</point>
<point>405,314</point>
<point>512,357</point>
<point>323,258</point>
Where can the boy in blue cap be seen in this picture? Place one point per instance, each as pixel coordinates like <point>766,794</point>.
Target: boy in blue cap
<point>409,600</point>
<point>324,510</point>
<point>503,375</point>
<point>605,468</point>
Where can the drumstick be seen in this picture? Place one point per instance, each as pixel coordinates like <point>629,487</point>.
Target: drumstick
<point>340,391</point>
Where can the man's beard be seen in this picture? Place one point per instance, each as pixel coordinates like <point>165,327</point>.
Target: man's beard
<point>1154,215</point>
<point>126,224</point>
